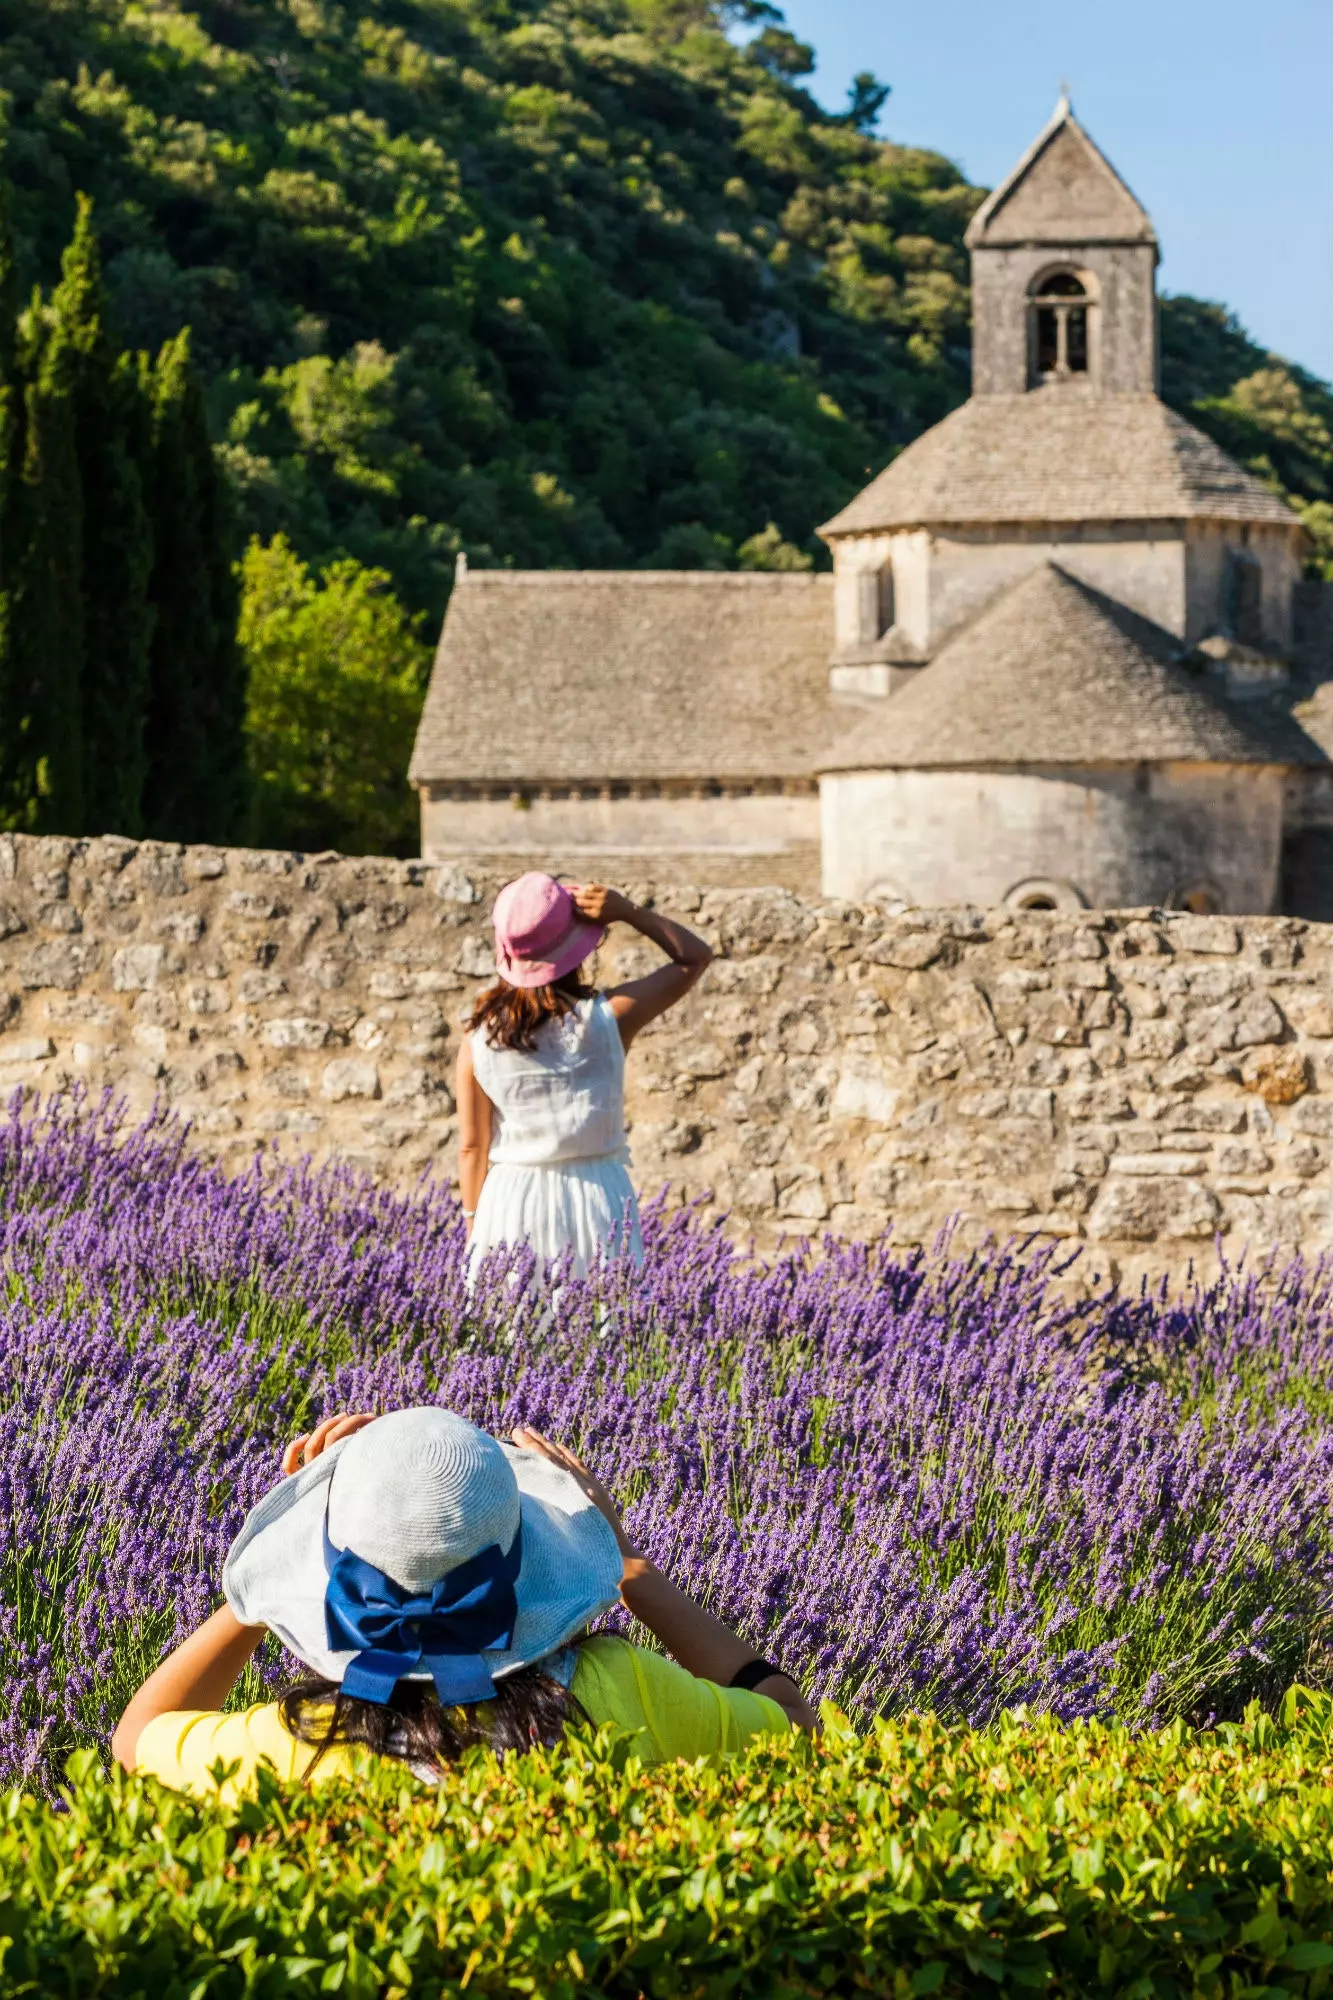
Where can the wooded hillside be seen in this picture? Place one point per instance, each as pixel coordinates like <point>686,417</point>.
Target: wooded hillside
<point>556,281</point>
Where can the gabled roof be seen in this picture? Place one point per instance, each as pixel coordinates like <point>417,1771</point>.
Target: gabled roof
<point>1063,189</point>
<point>1054,673</point>
<point>575,676</point>
<point>1059,454</point>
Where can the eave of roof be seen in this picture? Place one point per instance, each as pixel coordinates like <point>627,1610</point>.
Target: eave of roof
<point>1052,673</point>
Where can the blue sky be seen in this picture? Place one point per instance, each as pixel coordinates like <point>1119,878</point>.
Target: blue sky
<point>1219,114</point>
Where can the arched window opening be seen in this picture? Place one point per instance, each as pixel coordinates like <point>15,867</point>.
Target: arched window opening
<point>1059,327</point>
<point>1245,595</point>
<point>1044,893</point>
<point>874,603</point>
<point>1201,899</point>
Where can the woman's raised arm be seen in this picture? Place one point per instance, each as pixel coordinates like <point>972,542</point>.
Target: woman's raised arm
<point>640,1001</point>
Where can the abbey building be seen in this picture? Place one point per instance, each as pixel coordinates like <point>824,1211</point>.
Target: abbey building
<point>1065,656</point>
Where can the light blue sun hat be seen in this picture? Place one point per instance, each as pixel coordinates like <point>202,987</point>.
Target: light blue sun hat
<point>422,1548</point>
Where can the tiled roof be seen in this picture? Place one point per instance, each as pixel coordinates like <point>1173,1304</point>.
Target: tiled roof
<point>1053,673</point>
<point>1059,454</point>
<point>603,675</point>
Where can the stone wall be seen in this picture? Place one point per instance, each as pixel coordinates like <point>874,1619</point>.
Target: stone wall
<point>1136,1082</point>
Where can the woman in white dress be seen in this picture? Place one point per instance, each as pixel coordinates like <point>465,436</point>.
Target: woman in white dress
<point>543,1158</point>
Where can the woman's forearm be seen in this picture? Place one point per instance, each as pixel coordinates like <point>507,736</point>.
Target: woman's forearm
<point>703,1644</point>
<point>200,1674</point>
<point>681,945</point>
<point>473,1163</point>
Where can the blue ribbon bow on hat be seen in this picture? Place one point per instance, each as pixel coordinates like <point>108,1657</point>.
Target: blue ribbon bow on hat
<point>444,1628</point>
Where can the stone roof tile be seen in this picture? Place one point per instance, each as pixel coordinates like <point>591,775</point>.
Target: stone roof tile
<point>602,675</point>
<point>1054,673</point>
<point>1059,454</point>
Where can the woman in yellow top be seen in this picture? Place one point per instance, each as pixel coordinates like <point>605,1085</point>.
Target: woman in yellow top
<point>436,1584</point>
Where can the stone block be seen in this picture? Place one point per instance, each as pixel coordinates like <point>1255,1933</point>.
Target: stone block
<point>1141,1164</point>
<point>1155,1041</point>
<point>1312,1016</point>
<point>252,988</point>
<point>299,1031</point>
<point>1097,1101</point>
<point>802,1196</point>
<point>1149,1210</point>
<point>910,954</point>
<point>349,1076</point>
<point>26,1049</point>
<point>61,964</point>
<point>1203,934</point>
<point>1315,1116</point>
<point>255,906</point>
<point>136,967</point>
<point>1204,1116</point>
<point>862,1091</point>
<point>1279,1075</point>
<point>1242,1156</point>
<point>454,885</point>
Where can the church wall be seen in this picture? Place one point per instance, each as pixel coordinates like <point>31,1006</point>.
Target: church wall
<point>1209,546</point>
<point>1124,330</point>
<point>767,837</point>
<point>1141,564</point>
<point>1120,835</point>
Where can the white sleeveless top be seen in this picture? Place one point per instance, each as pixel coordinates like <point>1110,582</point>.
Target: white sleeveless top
<point>564,1101</point>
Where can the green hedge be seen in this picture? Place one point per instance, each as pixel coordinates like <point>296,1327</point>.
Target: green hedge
<point>921,1860</point>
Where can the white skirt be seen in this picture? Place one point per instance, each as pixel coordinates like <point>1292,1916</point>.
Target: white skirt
<point>588,1206</point>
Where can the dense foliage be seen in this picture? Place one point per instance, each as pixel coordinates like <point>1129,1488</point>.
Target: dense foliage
<point>563,282</point>
<point>121,687</point>
<point>336,676</point>
<point>1064,1860</point>
<point>919,1482</point>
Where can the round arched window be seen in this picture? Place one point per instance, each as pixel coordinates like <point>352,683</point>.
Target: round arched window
<point>1059,329</point>
<point>1042,892</point>
<point>1201,899</point>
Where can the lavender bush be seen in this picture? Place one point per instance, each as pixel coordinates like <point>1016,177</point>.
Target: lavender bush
<point>920,1481</point>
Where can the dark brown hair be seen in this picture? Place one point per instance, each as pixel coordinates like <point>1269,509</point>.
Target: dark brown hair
<point>530,1708</point>
<point>511,1015</point>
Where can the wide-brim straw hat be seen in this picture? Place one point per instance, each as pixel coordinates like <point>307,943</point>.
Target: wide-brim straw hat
<point>417,1494</point>
<point>539,933</point>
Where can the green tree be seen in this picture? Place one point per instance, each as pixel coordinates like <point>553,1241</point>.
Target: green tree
<point>10,455</point>
<point>111,442</point>
<point>336,674</point>
<point>195,778</point>
<point>41,737</point>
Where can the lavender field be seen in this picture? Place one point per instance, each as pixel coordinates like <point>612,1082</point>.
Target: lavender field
<point>919,1481</point>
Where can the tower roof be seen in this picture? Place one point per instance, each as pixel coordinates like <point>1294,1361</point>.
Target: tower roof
<point>1059,455</point>
<point>1064,189</point>
<point>1054,673</point>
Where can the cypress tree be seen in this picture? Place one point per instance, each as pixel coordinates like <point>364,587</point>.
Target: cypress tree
<point>110,430</point>
<point>41,735</point>
<point>195,786</point>
<point>10,445</point>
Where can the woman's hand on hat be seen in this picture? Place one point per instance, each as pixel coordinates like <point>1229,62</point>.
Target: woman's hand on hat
<point>304,1450</point>
<point>601,905</point>
<point>527,1439</point>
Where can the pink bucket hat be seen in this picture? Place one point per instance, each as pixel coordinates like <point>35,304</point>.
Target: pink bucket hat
<point>539,933</point>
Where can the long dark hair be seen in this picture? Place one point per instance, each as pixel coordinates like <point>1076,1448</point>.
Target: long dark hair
<point>511,1015</point>
<point>530,1708</point>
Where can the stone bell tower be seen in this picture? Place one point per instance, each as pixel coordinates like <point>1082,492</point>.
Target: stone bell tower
<point>1064,261</point>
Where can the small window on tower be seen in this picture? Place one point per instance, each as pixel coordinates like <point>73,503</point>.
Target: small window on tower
<point>1059,328</point>
<point>1246,593</point>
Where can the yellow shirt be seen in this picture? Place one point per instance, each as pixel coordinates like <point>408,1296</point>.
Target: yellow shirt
<point>666,1712</point>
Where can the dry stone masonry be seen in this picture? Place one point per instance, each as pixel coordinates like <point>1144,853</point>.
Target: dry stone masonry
<point>1144,1084</point>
